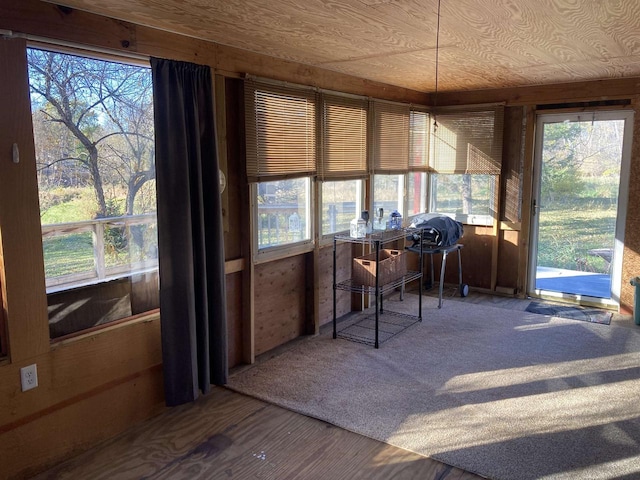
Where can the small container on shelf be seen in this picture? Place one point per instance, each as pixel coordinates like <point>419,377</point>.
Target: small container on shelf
<point>395,223</point>
<point>358,228</point>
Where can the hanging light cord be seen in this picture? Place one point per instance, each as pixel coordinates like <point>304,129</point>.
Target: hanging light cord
<point>435,95</point>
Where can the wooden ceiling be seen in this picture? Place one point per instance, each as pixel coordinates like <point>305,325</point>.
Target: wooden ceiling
<point>482,43</point>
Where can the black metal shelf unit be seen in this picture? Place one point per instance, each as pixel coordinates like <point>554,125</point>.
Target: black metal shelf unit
<point>398,321</point>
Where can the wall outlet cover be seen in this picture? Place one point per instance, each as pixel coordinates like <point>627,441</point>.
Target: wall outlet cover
<point>29,377</point>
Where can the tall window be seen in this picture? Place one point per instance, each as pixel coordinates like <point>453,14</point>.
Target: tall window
<point>93,130</point>
<point>343,163</point>
<point>470,197</point>
<point>416,193</point>
<point>281,160</point>
<point>390,131</point>
<point>341,203</point>
<point>417,190</point>
<point>388,193</point>
<point>284,215</point>
<point>466,154</point>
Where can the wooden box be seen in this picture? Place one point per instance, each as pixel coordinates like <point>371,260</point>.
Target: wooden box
<point>392,266</point>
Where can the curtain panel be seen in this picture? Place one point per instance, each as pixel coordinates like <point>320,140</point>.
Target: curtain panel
<point>190,232</point>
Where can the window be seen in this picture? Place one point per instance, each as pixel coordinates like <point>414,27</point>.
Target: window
<point>390,155</point>
<point>416,193</point>
<point>281,160</point>
<point>401,139</point>
<point>417,190</point>
<point>283,212</point>
<point>470,197</point>
<point>343,162</point>
<point>388,193</point>
<point>412,167</point>
<point>466,154</point>
<point>93,131</point>
<point>341,202</point>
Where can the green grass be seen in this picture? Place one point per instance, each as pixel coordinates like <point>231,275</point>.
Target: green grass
<point>72,211</point>
<point>68,254</point>
<point>566,234</point>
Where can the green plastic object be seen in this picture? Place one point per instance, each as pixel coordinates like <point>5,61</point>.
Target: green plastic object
<point>636,304</point>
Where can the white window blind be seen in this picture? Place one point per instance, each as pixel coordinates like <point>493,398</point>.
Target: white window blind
<point>344,130</point>
<point>419,140</point>
<point>280,131</point>
<point>390,137</point>
<point>468,141</point>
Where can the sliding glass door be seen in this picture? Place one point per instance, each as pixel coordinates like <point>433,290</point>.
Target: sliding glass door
<point>579,205</point>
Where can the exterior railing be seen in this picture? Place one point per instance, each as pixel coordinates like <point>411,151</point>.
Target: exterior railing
<point>81,253</point>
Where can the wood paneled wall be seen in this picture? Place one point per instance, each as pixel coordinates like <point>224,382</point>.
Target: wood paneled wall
<point>631,255</point>
<point>325,288</point>
<point>94,386</point>
<point>280,302</point>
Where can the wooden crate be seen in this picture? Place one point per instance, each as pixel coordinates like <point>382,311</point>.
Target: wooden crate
<point>393,266</point>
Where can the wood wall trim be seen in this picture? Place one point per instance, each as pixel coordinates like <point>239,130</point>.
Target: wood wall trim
<point>587,91</point>
<point>234,266</point>
<point>631,252</point>
<point>527,195</point>
<point>220,99</point>
<point>515,226</point>
<point>495,231</point>
<point>24,296</point>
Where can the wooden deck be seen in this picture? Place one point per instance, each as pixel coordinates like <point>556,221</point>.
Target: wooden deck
<point>228,435</point>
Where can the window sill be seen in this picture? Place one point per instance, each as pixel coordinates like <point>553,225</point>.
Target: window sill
<point>282,251</point>
<point>465,219</point>
<point>96,281</point>
<point>150,316</point>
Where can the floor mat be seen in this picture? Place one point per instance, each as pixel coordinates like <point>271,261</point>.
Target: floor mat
<point>574,312</point>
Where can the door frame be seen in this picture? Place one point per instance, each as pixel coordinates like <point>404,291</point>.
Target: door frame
<point>623,199</point>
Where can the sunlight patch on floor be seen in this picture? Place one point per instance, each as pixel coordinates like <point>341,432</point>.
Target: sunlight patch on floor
<point>535,373</point>
<point>622,468</point>
<point>471,425</point>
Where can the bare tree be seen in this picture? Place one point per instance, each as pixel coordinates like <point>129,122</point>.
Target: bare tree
<point>107,108</point>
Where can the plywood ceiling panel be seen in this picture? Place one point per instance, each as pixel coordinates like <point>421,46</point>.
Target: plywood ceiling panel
<point>483,43</point>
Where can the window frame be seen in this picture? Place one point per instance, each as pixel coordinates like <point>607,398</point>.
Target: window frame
<point>275,252</point>
<point>469,218</point>
<point>326,238</point>
<point>95,282</point>
<point>392,153</point>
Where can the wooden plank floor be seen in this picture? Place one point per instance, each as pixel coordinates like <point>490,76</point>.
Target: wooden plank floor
<point>229,435</point>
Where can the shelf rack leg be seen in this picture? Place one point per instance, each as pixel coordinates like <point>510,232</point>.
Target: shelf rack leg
<point>334,289</point>
<point>420,282</point>
<point>377,288</point>
<point>459,269</point>
<point>442,270</point>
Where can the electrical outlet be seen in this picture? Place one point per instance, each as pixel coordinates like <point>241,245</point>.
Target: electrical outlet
<point>29,377</point>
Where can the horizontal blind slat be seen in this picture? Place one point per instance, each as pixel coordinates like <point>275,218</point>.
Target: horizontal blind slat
<point>280,131</point>
<point>390,137</point>
<point>344,129</point>
<point>468,142</point>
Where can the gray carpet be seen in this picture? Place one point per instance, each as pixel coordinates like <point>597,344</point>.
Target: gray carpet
<point>505,394</point>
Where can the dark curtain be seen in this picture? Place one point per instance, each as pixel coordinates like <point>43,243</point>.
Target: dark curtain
<point>190,239</point>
